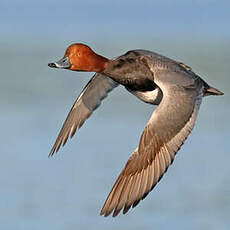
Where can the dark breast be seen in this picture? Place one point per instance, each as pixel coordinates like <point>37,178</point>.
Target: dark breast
<point>131,72</point>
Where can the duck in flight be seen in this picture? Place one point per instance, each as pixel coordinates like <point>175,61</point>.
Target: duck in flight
<point>154,79</point>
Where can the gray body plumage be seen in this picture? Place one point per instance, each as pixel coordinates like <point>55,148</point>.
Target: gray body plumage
<point>154,79</point>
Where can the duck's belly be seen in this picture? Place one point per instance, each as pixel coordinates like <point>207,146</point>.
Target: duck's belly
<point>152,97</point>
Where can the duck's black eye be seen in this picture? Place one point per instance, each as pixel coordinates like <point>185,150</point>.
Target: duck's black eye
<point>78,54</point>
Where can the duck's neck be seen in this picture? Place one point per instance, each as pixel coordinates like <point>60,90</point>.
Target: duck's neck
<point>97,63</point>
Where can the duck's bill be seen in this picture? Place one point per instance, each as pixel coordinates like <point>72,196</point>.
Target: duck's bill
<point>61,64</point>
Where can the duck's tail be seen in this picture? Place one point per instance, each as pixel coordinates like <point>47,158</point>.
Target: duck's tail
<point>208,90</point>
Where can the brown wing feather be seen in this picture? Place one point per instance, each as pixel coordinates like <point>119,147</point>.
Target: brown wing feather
<point>160,141</point>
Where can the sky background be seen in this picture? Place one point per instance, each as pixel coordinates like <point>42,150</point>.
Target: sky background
<point>67,191</point>
<point>101,19</point>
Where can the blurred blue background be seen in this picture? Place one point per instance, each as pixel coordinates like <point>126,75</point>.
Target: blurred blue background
<point>68,191</point>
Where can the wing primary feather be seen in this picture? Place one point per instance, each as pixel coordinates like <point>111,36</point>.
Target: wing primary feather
<point>109,198</point>
<point>123,196</point>
<point>128,202</point>
<point>73,130</point>
<point>58,145</point>
<point>144,182</point>
<point>136,192</point>
<point>65,138</point>
<point>115,197</point>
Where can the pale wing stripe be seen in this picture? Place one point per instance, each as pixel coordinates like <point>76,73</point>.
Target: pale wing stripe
<point>150,176</point>
<point>144,182</point>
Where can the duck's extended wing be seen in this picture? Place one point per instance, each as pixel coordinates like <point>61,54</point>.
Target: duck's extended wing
<point>90,98</point>
<point>166,131</point>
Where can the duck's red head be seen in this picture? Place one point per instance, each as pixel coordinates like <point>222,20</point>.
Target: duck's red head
<point>80,57</point>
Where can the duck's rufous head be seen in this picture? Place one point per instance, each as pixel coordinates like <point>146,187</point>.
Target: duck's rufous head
<point>80,57</point>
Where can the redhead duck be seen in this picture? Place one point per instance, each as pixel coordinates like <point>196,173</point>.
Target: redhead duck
<point>154,79</point>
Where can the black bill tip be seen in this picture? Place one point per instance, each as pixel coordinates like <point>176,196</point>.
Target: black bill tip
<point>52,65</point>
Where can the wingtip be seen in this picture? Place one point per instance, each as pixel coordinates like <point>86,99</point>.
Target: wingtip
<point>55,149</point>
<point>106,214</point>
<point>103,212</point>
<point>51,152</point>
